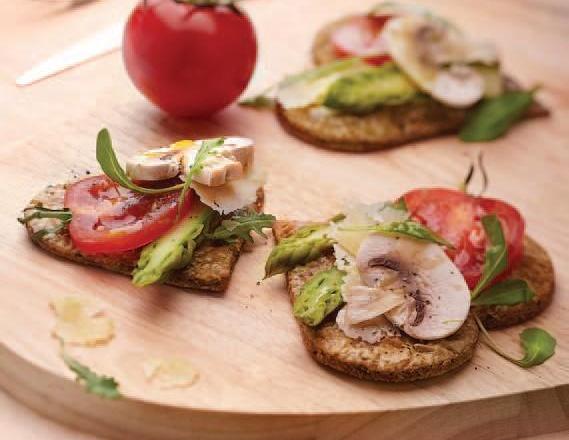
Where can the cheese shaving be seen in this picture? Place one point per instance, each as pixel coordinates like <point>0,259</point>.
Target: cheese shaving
<point>170,373</point>
<point>233,195</point>
<point>81,321</point>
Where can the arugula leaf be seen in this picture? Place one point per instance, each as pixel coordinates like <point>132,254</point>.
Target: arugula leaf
<point>407,228</point>
<point>241,226</point>
<point>111,167</point>
<point>319,296</point>
<point>400,204</point>
<point>307,244</point>
<point>506,293</point>
<point>537,345</point>
<point>496,257</point>
<point>494,116</point>
<point>39,212</point>
<point>103,386</point>
<point>207,147</point>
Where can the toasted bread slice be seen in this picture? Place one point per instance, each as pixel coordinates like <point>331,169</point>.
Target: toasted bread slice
<point>389,126</point>
<point>537,269</point>
<point>393,359</point>
<point>210,268</point>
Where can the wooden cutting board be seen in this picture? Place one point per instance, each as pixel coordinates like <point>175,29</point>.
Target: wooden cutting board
<point>256,378</point>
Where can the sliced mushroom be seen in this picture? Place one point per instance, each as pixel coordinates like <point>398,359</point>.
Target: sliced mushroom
<point>458,86</point>
<point>436,299</point>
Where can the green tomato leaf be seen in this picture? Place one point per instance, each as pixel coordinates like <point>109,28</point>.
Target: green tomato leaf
<point>307,244</point>
<point>494,116</point>
<point>407,228</point>
<point>319,297</point>
<point>111,167</point>
<point>241,226</point>
<point>537,345</point>
<point>208,147</point>
<point>496,258</point>
<point>103,386</point>
<point>506,293</point>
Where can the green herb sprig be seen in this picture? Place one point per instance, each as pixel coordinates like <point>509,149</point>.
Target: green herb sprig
<point>103,386</point>
<point>537,345</point>
<point>208,147</point>
<point>408,228</point>
<point>496,257</point>
<point>37,212</point>
<point>111,167</point>
<point>494,116</point>
<point>241,226</point>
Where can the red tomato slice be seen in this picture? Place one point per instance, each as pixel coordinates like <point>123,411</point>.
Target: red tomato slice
<point>361,37</point>
<point>108,218</point>
<point>456,217</point>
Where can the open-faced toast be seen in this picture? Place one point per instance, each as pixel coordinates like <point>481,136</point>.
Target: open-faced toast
<point>210,268</point>
<point>397,358</point>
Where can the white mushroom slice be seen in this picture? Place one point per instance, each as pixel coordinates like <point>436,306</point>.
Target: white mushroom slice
<point>371,332</point>
<point>424,47</point>
<point>436,297</point>
<point>458,86</point>
<point>228,162</point>
<point>154,164</point>
<point>365,303</point>
<point>233,195</point>
<point>239,148</point>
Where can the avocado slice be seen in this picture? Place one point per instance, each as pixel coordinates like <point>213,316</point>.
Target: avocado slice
<point>173,250</point>
<point>319,297</point>
<point>365,91</point>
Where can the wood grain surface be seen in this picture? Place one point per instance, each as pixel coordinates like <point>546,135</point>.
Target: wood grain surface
<point>255,375</point>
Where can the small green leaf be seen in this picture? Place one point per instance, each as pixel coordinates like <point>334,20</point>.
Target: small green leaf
<point>265,99</point>
<point>307,244</point>
<point>494,116</point>
<point>241,226</point>
<point>103,386</point>
<point>506,293</point>
<point>408,228</point>
<point>496,257</point>
<point>400,204</point>
<point>208,147</point>
<point>537,344</point>
<point>319,297</point>
<point>111,167</point>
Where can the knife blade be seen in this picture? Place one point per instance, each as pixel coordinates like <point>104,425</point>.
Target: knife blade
<point>100,43</point>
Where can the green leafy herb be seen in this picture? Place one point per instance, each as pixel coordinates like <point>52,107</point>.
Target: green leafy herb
<point>208,146</point>
<point>537,345</point>
<point>337,218</point>
<point>319,297</point>
<point>110,165</point>
<point>307,244</point>
<point>494,116</point>
<point>506,293</point>
<point>496,257</point>
<point>39,212</point>
<point>103,386</point>
<point>241,226</point>
<point>408,228</point>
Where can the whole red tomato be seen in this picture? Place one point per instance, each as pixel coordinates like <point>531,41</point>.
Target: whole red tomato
<point>189,60</point>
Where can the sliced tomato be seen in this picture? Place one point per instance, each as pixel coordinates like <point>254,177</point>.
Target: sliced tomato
<point>456,217</point>
<point>361,37</point>
<point>108,218</point>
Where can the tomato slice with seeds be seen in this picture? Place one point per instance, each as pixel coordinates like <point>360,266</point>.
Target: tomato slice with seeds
<point>456,216</point>
<point>108,218</point>
<point>361,37</point>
